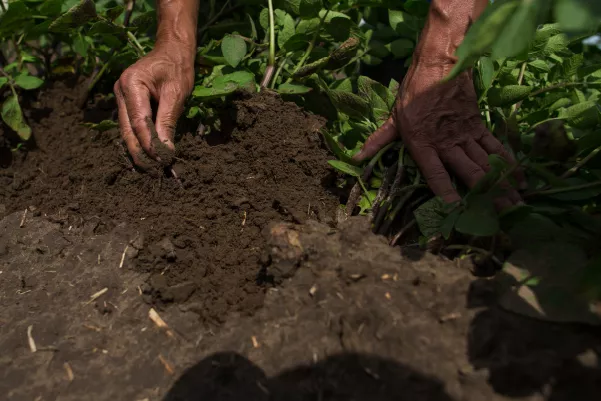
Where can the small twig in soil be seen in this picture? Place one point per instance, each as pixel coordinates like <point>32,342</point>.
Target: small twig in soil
<point>96,295</point>
<point>22,223</point>
<point>30,340</point>
<point>407,227</point>
<point>174,174</point>
<point>160,323</point>
<point>255,342</point>
<point>123,256</point>
<point>167,365</point>
<point>69,371</point>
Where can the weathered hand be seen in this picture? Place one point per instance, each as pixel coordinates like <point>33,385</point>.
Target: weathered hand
<point>166,74</point>
<point>441,126</point>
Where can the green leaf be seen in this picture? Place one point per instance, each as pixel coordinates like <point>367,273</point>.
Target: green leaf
<point>507,95</point>
<point>589,70</point>
<point>13,117</point>
<point>404,24</point>
<point>547,47</point>
<point>240,78</point>
<point>378,49</point>
<point>487,72</point>
<point>417,7</point>
<point>570,66</point>
<point>310,8</point>
<point>479,218</point>
<point>286,32</point>
<point>293,89</point>
<point>401,48</point>
<point>516,34</point>
<point>3,81</point>
<point>28,82</point>
<point>114,12</point>
<point>77,15</point>
<point>80,46</point>
<point>233,49</point>
<point>253,29</point>
<point>103,126</point>
<point>349,103</point>
<point>582,115</point>
<point>448,224</point>
<point>539,65</point>
<point>106,28</point>
<point>346,168</point>
<point>578,15</point>
<point>214,92</point>
<point>430,217</point>
<point>378,94</point>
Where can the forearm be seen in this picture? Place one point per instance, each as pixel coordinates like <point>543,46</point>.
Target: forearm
<point>446,26</point>
<point>177,21</point>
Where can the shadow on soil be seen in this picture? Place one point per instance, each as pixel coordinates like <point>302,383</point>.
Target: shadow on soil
<point>348,376</point>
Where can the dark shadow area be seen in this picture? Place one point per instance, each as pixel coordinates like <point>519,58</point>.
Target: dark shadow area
<point>526,356</point>
<point>344,377</point>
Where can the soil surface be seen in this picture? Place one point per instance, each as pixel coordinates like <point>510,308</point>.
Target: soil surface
<point>200,241</point>
<point>264,297</point>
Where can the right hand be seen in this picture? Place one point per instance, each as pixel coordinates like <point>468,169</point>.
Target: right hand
<point>166,74</point>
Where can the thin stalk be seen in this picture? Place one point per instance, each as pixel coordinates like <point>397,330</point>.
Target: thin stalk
<point>516,106</point>
<point>581,163</point>
<point>278,72</point>
<point>564,189</point>
<point>134,41</point>
<point>558,86</point>
<point>305,56</point>
<point>271,61</point>
<point>131,4</point>
<point>407,227</point>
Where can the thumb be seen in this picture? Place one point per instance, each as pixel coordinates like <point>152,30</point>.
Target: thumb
<point>377,140</point>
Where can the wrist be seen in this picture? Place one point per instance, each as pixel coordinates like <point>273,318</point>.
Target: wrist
<point>446,26</point>
<point>176,29</point>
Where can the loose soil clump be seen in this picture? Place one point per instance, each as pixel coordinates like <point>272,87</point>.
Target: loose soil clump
<point>198,238</point>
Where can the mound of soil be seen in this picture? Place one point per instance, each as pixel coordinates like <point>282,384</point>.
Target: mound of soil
<point>200,240</point>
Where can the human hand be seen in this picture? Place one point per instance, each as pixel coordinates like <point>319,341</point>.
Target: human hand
<point>440,125</point>
<point>167,75</point>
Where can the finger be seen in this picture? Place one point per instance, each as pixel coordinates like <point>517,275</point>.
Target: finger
<point>137,102</point>
<point>435,174</point>
<point>468,171</point>
<point>377,140</point>
<point>493,146</point>
<point>171,106</point>
<point>131,142</point>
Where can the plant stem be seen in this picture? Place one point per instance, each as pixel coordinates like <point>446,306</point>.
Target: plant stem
<point>278,72</point>
<point>558,86</point>
<point>134,41</point>
<point>516,106</point>
<point>305,56</point>
<point>407,227</point>
<point>131,4</point>
<point>564,189</point>
<point>581,163</point>
<point>2,6</point>
<point>271,61</point>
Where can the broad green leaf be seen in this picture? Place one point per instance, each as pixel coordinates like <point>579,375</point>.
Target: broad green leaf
<point>448,224</point>
<point>545,48</point>
<point>582,115</point>
<point>253,29</point>
<point>13,117</point>
<point>401,48</point>
<point>349,104</point>
<point>264,19</point>
<point>3,81</point>
<point>378,94</point>
<point>577,96</point>
<point>346,168</point>
<point>487,72</point>
<point>193,112</point>
<point>28,82</point>
<point>241,78</point>
<point>571,65</point>
<point>211,93</point>
<point>298,41</point>
<point>114,12</point>
<point>293,89</point>
<point>286,32</point>
<point>404,24</point>
<point>103,126</point>
<point>507,95</point>
<point>233,49</point>
<point>378,49</point>
<point>539,65</point>
<point>310,8</point>
<point>430,217</point>
<point>77,15</point>
<point>515,35</point>
<point>578,15</point>
<point>483,34</point>
<point>106,28</point>
<point>589,70</point>
<point>479,218</point>
<point>367,201</point>
<point>418,8</point>
<point>81,46</point>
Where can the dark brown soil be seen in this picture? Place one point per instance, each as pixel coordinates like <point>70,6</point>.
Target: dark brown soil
<point>306,311</point>
<point>200,242</point>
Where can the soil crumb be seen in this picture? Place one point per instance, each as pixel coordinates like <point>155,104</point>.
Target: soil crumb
<point>201,243</point>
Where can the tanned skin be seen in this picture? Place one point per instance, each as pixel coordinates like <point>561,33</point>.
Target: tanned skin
<point>439,123</point>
